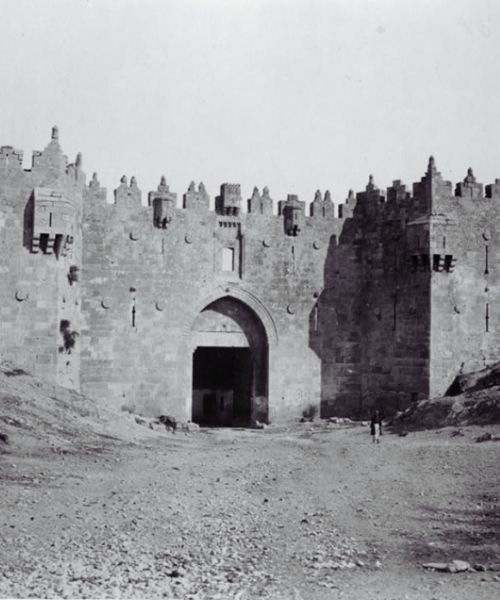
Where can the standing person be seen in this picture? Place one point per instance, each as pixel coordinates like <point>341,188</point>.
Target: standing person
<point>376,427</point>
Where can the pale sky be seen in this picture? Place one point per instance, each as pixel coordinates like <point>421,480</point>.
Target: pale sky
<point>293,94</point>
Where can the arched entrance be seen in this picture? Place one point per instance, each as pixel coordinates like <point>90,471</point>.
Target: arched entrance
<point>230,365</point>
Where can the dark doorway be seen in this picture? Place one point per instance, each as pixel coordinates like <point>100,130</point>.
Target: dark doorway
<point>222,386</point>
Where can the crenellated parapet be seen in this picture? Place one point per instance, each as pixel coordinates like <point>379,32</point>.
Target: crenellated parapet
<point>260,204</point>
<point>51,160</point>
<point>196,199</point>
<point>493,190</point>
<point>369,202</point>
<point>469,188</point>
<point>94,193</point>
<point>431,187</point>
<point>347,208</point>
<point>397,193</point>
<point>322,208</point>
<point>75,170</point>
<point>128,195</point>
<point>10,158</point>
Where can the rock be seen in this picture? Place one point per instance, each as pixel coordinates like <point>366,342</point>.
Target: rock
<point>436,566</point>
<point>459,566</point>
<point>189,427</point>
<point>340,420</point>
<point>484,438</point>
<point>455,566</point>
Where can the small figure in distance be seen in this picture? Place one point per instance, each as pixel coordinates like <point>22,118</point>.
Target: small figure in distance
<point>376,427</point>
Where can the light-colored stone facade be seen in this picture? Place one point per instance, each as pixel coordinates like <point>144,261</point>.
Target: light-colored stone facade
<point>232,316</point>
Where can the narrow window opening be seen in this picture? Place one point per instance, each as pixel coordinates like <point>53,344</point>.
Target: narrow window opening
<point>228,259</point>
<point>486,260</point>
<point>444,241</point>
<point>436,262</point>
<point>44,242</point>
<point>425,265</point>
<point>487,317</point>
<point>58,244</point>
<point>448,262</point>
<point>133,315</point>
<point>50,219</point>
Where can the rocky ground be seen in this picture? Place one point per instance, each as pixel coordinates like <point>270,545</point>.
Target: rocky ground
<point>307,511</point>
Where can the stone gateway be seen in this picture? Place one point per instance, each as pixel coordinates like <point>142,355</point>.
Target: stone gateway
<point>229,317</point>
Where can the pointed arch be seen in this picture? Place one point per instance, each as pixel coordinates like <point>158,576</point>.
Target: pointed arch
<point>246,298</point>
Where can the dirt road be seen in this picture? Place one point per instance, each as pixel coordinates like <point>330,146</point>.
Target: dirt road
<point>304,512</point>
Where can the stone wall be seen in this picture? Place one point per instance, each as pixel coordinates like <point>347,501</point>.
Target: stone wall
<point>380,302</point>
<point>146,280</point>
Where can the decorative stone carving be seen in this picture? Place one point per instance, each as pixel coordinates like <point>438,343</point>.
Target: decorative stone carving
<point>22,294</point>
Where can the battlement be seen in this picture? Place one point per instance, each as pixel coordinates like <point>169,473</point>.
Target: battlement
<point>430,194</point>
<point>10,157</point>
<point>128,196</point>
<point>322,207</point>
<point>197,200</point>
<point>260,204</point>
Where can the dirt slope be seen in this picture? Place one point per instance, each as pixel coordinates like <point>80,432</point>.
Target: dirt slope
<point>95,506</point>
<point>472,399</point>
<point>37,416</point>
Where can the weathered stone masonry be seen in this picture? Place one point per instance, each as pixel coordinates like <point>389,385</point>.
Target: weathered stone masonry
<point>228,316</point>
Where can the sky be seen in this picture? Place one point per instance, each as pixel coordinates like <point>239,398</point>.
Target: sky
<point>298,95</point>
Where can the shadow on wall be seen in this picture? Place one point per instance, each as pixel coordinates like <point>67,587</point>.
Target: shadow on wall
<point>359,327</point>
<point>28,218</point>
<point>334,328</point>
